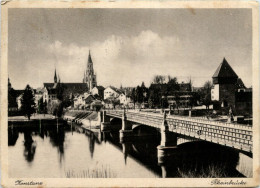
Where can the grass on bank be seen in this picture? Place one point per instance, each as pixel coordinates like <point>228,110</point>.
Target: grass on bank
<point>103,172</point>
<point>208,172</point>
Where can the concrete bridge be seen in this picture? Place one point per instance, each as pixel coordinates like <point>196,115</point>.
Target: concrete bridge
<point>231,135</point>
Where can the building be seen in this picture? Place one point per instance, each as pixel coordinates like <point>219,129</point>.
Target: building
<point>181,96</point>
<point>98,90</point>
<point>69,89</point>
<point>72,89</point>
<point>225,84</point>
<point>111,92</point>
<point>229,90</point>
<point>243,101</point>
<point>79,101</point>
<point>83,101</point>
<point>49,94</point>
<point>124,99</point>
<point>183,99</point>
<point>38,94</point>
<point>89,76</point>
<point>19,102</point>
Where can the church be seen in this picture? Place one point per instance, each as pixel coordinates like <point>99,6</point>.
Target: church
<point>71,89</point>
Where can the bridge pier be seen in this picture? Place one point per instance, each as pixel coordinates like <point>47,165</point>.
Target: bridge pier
<point>126,132</point>
<point>168,145</point>
<point>105,125</point>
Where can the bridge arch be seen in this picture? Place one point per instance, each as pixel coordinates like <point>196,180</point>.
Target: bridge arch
<point>145,129</point>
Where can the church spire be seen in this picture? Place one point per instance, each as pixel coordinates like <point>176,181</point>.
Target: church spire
<point>90,77</point>
<point>55,76</point>
<point>89,58</point>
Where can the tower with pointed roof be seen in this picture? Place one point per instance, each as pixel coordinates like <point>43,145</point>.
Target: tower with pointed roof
<point>89,76</point>
<point>224,85</point>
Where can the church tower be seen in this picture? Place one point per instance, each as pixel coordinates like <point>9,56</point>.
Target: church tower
<point>89,75</point>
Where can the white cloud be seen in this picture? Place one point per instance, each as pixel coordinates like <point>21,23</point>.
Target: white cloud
<point>126,60</point>
<point>131,60</point>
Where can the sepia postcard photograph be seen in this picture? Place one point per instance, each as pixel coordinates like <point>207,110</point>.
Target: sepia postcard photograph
<point>130,94</point>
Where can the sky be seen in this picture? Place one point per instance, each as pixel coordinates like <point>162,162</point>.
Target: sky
<point>127,46</point>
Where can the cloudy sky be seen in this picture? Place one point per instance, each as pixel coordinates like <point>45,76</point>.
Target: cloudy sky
<point>128,46</point>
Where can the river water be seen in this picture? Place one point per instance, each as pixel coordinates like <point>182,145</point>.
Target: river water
<point>70,151</point>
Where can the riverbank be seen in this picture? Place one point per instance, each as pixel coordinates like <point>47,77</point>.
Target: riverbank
<point>33,117</point>
<point>87,119</point>
<point>37,119</point>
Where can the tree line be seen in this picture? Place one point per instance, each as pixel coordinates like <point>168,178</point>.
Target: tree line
<point>28,105</point>
<point>156,95</point>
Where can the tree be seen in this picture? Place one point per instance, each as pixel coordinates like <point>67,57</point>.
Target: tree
<point>205,94</point>
<point>207,86</point>
<point>144,92</point>
<point>12,98</point>
<point>139,94</point>
<point>67,102</point>
<point>194,99</point>
<point>72,100</point>
<point>115,102</point>
<point>56,108</point>
<point>27,102</point>
<point>172,85</point>
<point>112,100</point>
<point>60,109</point>
<point>40,106</point>
<point>133,96</point>
<point>154,96</point>
<point>158,79</point>
<point>44,107</point>
<point>60,90</point>
<point>177,100</point>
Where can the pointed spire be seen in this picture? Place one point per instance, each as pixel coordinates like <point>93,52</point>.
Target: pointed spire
<point>89,58</point>
<point>55,76</point>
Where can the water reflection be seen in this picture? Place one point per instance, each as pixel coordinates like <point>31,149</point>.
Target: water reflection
<point>91,144</point>
<point>57,137</point>
<point>29,146</point>
<point>101,152</point>
<point>12,137</point>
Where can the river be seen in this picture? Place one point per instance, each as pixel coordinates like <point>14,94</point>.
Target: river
<point>70,151</point>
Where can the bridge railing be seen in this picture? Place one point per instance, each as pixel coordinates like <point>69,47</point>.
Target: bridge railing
<point>233,135</point>
<point>213,122</point>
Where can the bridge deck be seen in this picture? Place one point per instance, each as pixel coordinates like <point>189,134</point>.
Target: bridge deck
<point>228,134</point>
